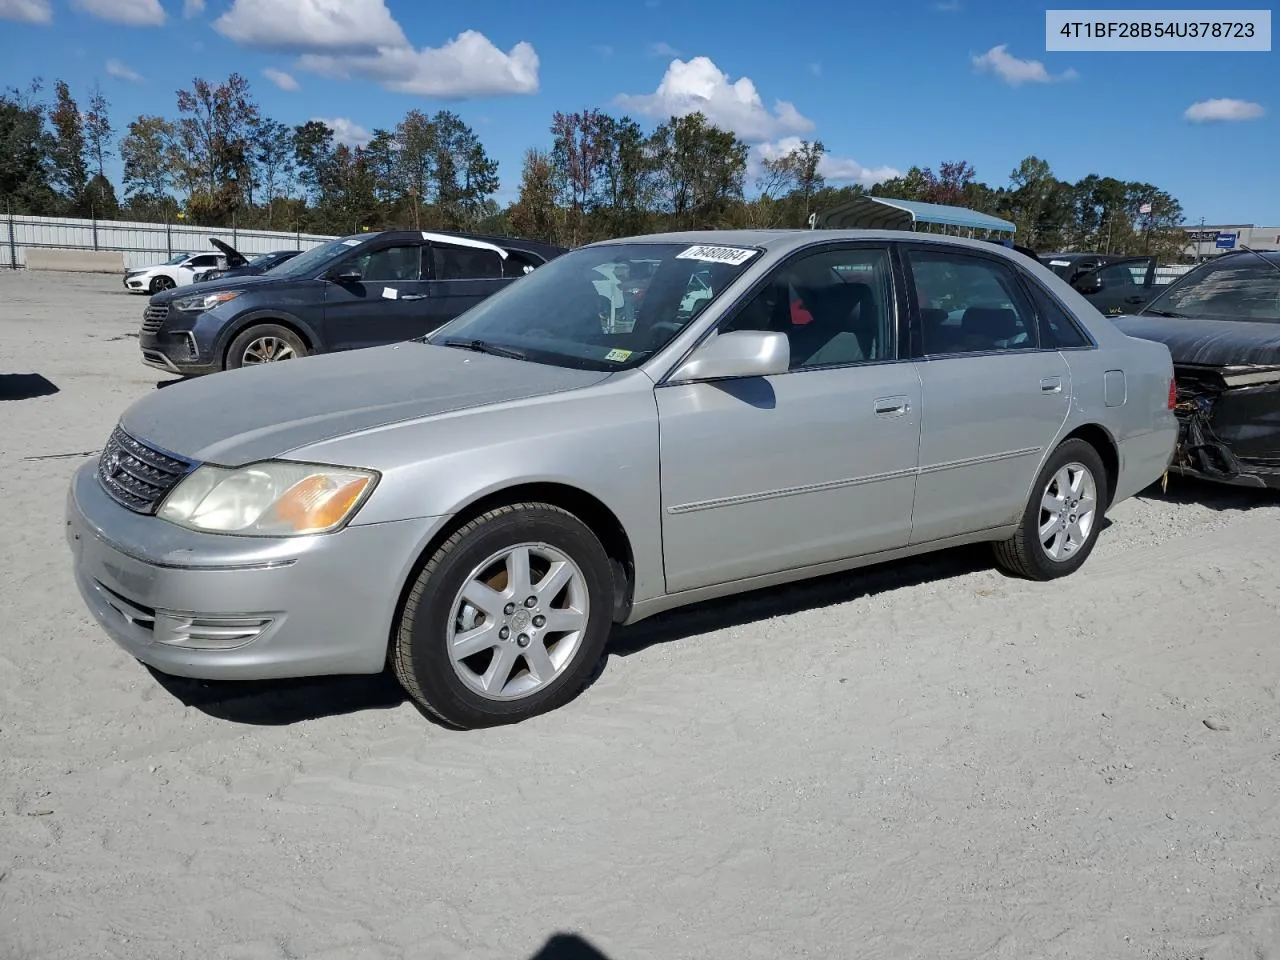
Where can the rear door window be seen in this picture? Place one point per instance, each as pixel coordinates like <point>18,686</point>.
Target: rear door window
<point>970,304</point>
<point>465,263</point>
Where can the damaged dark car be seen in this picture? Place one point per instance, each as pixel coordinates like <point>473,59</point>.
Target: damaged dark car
<point>1221,323</point>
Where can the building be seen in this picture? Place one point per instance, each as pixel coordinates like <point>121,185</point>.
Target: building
<point>1209,240</point>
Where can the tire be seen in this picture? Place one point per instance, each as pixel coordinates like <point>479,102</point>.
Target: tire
<point>477,557</point>
<point>270,341</point>
<point>161,284</point>
<point>1026,553</point>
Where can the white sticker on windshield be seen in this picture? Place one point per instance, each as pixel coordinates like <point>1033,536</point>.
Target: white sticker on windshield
<point>354,242</point>
<point>731,255</point>
<point>390,293</point>
<point>1059,263</point>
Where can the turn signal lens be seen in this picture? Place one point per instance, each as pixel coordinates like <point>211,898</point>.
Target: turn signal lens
<point>318,502</point>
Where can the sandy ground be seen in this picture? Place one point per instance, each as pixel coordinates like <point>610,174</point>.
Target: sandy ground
<point>923,760</point>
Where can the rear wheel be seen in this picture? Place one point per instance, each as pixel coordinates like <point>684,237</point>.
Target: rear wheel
<point>1060,524</point>
<point>161,284</point>
<point>508,619</point>
<point>265,343</point>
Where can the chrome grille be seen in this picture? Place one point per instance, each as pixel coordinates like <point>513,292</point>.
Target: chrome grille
<point>152,317</point>
<point>135,475</point>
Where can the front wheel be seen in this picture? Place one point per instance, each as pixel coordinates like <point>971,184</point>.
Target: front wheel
<point>1060,524</point>
<point>161,284</point>
<point>267,343</point>
<point>508,618</point>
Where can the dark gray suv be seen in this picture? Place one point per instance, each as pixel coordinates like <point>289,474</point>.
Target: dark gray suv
<point>358,291</point>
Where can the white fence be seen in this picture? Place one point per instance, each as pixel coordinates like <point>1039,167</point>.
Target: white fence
<point>143,244</point>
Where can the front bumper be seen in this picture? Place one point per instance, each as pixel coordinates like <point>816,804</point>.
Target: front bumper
<point>139,284</point>
<point>276,608</point>
<point>176,352</point>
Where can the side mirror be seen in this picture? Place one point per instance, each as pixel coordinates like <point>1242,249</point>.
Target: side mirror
<point>1088,285</point>
<point>740,353</point>
<point>346,275</point>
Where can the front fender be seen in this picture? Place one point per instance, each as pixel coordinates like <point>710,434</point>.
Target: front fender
<point>601,440</point>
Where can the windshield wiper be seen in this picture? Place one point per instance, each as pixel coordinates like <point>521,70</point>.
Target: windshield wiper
<point>482,346</point>
<point>1163,313</point>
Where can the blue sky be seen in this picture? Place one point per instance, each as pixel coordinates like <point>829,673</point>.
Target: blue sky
<point>883,85</point>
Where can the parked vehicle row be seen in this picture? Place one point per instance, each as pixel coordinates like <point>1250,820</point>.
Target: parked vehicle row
<point>352,292</point>
<point>635,425</point>
<point>1221,323</point>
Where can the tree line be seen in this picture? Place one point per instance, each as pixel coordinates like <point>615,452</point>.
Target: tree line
<point>218,160</point>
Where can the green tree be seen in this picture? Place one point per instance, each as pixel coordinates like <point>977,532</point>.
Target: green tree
<point>701,171</point>
<point>536,214</point>
<point>216,126</point>
<point>26,153</point>
<point>69,170</point>
<point>149,155</point>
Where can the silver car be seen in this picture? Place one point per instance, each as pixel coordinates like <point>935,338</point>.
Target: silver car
<point>479,508</point>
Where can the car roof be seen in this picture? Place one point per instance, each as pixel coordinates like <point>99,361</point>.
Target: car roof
<point>546,251</point>
<point>785,241</point>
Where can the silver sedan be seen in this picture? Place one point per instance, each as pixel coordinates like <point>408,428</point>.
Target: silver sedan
<point>479,508</point>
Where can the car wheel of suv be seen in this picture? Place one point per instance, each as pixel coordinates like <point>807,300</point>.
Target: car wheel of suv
<point>508,618</point>
<point>161,284</point>
<point>266,343</point>
<point>1060,523</point>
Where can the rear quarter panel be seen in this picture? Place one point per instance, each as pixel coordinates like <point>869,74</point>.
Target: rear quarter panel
<point>1143,427</point>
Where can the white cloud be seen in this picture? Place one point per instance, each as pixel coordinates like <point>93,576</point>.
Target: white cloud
<point>346,131</point>
<point>312,26</point>
<point>131,13</point>
<point>360,38</point>
<point>27,11</point>
<point>123,72</point>
<point>281,79</point>
<point>1014,71</point>
<point>834,169</point>
<point>467,66</point>
<point>192,8</point>
<point>700,86</point>
<point>1223,109</point>
<point>663,49</point>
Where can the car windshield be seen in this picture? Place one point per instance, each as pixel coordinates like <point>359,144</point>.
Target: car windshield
<point>176,259</point>
<point>312,260</point>
<point>1240,287</point>
<point>607,307</point>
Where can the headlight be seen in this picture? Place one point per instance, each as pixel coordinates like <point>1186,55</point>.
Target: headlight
<point>205,301</point>
<point>272,499</point>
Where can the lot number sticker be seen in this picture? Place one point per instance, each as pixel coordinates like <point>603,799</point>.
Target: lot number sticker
<point>390,293</point>
<point>731,255</point>
<point>617,356</point>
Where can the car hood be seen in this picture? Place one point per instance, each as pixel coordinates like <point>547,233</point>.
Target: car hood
<point>1206,342</point>
<point>255,413</point>
<point>234,257</point>
<point>212,286</point>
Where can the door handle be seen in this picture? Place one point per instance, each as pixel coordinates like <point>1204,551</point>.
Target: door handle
<point>1051,385</point>
<point>892,406</point>
<point>414,296</point>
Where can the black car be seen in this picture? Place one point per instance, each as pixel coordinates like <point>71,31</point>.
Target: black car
<point>1113,284</point>
<point>357,291</point>
<point>1221,323</point>
<point>238,265</point>
<point>1118,286</point>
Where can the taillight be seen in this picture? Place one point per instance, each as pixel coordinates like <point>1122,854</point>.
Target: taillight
<point>1173,393</point>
